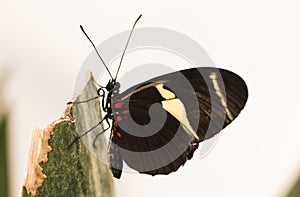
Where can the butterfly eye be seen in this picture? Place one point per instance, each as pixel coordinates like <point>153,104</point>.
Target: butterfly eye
<point>117,85</point>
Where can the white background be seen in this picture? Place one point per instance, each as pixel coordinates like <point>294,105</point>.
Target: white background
<point>257,155</point>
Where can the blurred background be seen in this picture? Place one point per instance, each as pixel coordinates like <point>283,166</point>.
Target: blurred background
<point>42,49</point>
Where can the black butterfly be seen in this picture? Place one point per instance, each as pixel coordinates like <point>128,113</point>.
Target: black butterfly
<point>158,124</point>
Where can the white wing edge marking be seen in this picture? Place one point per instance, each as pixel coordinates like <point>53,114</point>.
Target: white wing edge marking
<point>213,77</point>
<point>143,88</point>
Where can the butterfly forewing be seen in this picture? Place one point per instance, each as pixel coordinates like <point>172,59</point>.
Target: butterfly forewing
<point>159,123</point>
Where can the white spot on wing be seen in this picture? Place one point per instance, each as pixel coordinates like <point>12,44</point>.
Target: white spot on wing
<point>166,94</point>
<point>176,108</point>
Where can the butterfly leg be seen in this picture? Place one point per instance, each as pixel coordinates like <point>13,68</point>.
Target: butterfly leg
<point>85,101</point>
<point>99,91</point>
<point>103,97</point>
<point>80,136</point>
<point>94,141</point>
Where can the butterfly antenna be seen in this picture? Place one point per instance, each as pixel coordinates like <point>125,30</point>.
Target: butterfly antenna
<point>126,46</point>
<point>96,50</point>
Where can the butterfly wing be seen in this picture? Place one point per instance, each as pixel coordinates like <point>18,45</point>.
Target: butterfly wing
<point>159,123</point>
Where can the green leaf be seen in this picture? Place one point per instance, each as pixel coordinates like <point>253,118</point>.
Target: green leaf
<point>80,170</point>
<point>295,191</point>
<point>4,119</point>
<point>3,156</point>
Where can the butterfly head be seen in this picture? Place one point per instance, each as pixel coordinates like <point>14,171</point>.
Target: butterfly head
<point>112,85</point>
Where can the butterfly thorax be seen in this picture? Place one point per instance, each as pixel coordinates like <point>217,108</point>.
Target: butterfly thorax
<point>113,91</point>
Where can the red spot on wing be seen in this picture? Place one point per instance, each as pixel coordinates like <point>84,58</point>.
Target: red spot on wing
<point>125,112</point>
<point>119,105</point>
<point>115,124</point>
<point>119,134</point>
<point>119,118</point>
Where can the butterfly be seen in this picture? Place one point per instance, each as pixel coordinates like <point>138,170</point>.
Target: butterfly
<point>157,125</point>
